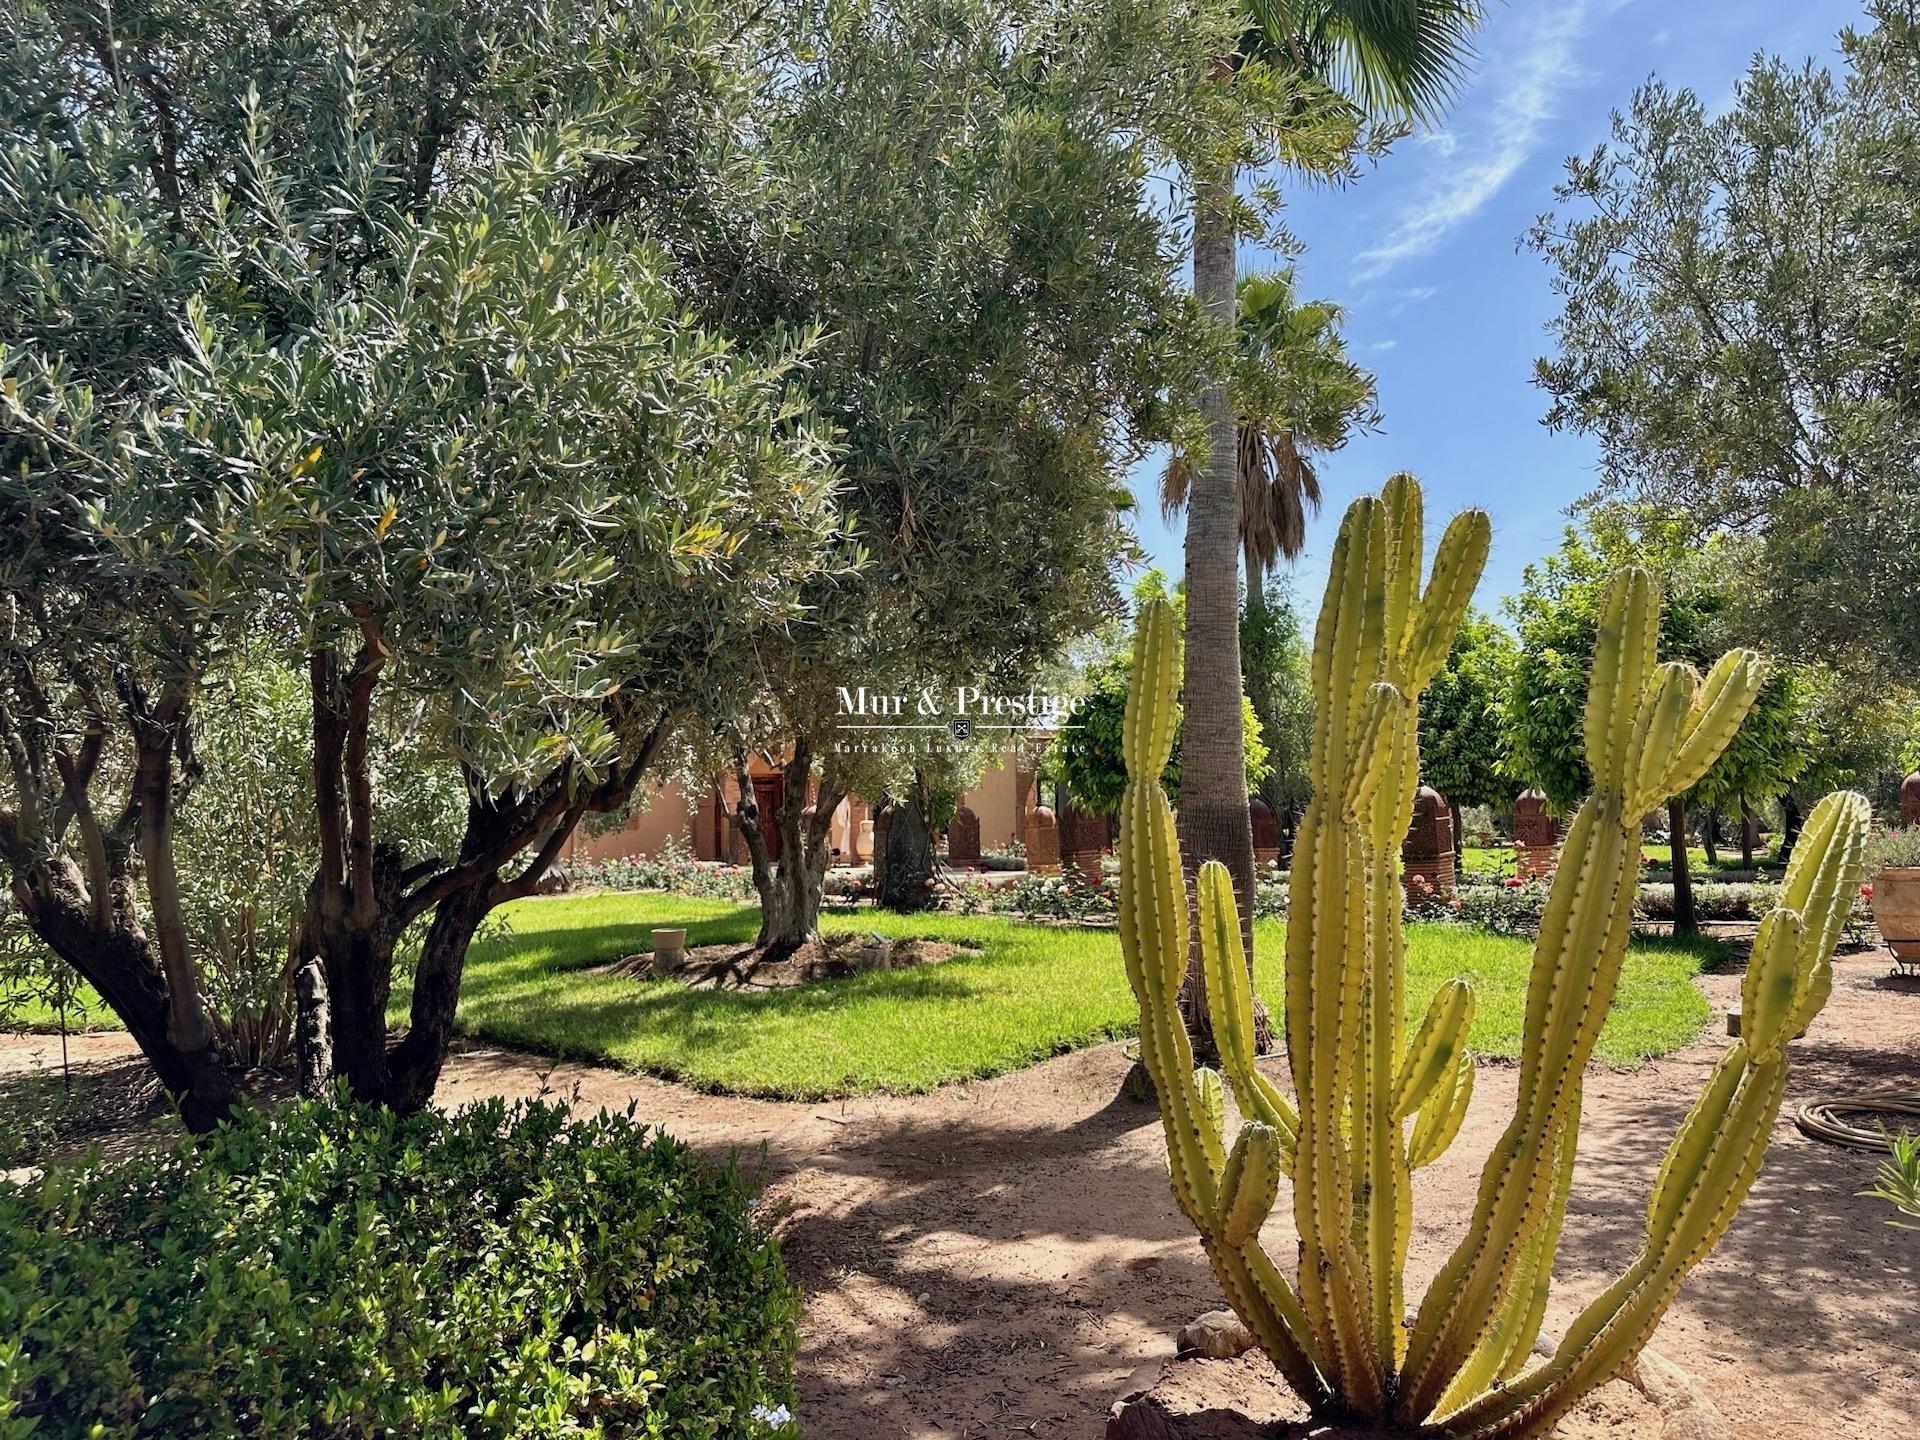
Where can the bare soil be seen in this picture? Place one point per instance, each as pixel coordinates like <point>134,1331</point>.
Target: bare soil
<point>996,1259</point>
<point>756,967</point>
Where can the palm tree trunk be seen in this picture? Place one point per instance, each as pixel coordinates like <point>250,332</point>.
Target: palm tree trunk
<point>1214,824</point>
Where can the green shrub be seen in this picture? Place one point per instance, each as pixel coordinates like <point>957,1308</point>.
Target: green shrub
<point>1712,900</point>
<point>674,870</point>
<point>330,1271</point>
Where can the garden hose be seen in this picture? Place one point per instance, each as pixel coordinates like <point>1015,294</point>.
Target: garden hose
<point>1822,1118</point>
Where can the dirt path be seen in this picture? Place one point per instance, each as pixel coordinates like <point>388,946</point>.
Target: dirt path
<point>995,1259</point>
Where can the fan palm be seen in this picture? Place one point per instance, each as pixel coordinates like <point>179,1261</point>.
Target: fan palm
<point>1295,394</point>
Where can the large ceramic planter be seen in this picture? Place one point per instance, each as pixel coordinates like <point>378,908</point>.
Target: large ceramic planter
<point>1896,910</point>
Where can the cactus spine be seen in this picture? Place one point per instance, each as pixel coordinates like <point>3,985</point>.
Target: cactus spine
<point>1340,1331</point>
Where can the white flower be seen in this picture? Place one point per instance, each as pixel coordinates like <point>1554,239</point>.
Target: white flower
<point>777,1416</point>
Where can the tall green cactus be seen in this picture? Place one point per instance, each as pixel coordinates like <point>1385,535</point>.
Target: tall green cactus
<point>1372,1105</point>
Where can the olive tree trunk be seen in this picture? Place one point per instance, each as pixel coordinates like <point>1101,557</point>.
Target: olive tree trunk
<point>792,883</point>
<point>364,894</point>
<point>1686,919</point>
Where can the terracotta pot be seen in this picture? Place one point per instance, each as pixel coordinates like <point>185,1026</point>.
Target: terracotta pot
<point>1896,910</point>
<point>669,949</point>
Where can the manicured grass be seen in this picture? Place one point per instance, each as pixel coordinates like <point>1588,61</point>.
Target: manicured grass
<point>1035,990</point>
<point>20,1009</point>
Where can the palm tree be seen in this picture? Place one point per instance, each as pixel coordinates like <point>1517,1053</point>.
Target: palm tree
<point>1391,60</point>
<point>1296,393</point>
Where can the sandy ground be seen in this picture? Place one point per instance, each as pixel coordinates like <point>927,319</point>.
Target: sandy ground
<point>994,1260</point>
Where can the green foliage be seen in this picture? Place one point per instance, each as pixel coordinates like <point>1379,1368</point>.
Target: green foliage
<point>1555,614</point>
<point>1273,658</point>
<point>1894,848</point>
<point>1088,757</point>
<point>330,1271</point>
<point>360,336</point>
<point>672,869</point>
<point>1460,718</point>
<point>1738,282</point>
<point>1898,1180</point>
<point>247,847</point>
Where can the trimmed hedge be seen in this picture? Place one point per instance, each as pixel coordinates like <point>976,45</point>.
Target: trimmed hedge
<point>329,1271</point>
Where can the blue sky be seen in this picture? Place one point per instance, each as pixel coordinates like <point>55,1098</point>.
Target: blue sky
<point>1444,307</point>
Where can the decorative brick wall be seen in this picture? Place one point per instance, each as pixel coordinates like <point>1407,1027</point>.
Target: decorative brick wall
<point>1536,836</point>
<point>1083,840</point>
<point>1266,832</point>
<point>1427,852</point>
<point>963,839</point>
<point>1042,841</point>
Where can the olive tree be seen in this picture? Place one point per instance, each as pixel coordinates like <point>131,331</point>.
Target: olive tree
<point>321,325</point>
<point>963,208</point>
<point>1737,288</point>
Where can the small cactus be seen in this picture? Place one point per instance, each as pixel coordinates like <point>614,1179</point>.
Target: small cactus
<point>1373,1104</point>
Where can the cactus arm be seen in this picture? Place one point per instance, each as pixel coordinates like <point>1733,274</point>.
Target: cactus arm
<point>1442,1035</point>
<point>1717,1152</point>
<point>1634,714</point>
<point>1248,1185</point>
<point>1509,1341</point>
<point>1457,564</point>
<point>1728,694</point>
<point>1327,949</point>
<point>1440,1118</point>
<point>1225,1193</point>
<point>1153,917</point>
<point>1230,1007</point>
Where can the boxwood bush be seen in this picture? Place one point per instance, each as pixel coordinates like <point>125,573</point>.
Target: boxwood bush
<point>329,1270</point>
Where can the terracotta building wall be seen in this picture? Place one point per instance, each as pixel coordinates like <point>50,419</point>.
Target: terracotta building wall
<point>695,823</point>
<point>996,801</point>
<point>666,817</point>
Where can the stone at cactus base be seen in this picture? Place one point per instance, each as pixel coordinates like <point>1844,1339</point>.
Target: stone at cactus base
<point>1218,1334</point>
<point>1245,1399</point>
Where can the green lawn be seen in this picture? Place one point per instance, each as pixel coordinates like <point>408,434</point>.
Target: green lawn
<point>21,1009</point>
<point>1034,991</point>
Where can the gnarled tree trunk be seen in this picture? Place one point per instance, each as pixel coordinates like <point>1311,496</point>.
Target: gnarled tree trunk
<point>1686,920</point>
<point>109,948</point>
<point>790,884</point>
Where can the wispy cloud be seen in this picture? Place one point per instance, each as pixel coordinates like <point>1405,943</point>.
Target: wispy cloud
<point>1499,125</point>
<point>1381,346</point>
<point>1411,296</point>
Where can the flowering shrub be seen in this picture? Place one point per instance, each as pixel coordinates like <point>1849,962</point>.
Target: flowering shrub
<point>1511,907</point>
<point>1895,849</point>
<point>1065,896</point>
<point>1270,897</point>
<point>673,869</point>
